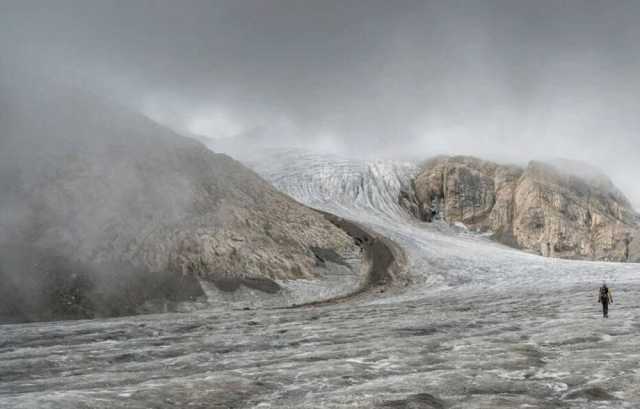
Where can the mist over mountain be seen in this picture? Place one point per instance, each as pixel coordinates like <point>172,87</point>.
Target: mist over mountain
<point>503,80</point>
<point>100,205</point>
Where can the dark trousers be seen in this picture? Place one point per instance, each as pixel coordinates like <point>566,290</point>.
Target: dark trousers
<point>605,309</point>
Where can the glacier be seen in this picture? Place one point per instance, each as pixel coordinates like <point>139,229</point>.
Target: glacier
<point>475,324</point>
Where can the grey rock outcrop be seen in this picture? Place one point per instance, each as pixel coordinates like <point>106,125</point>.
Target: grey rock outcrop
<point>559,209</point>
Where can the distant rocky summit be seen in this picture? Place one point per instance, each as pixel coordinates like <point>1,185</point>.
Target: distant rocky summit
<point>102,210</point>
<point>558,209</point>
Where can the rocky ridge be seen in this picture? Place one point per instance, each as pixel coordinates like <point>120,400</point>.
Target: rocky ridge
<point>558,209</point>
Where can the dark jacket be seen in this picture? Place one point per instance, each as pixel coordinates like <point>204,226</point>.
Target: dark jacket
<point>605,296</point>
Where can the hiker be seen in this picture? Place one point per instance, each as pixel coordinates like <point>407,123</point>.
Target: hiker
<point>605,298</point>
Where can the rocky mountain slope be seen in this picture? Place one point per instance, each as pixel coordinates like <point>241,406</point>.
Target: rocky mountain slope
<point>99,205</point>
<point>558,209</point>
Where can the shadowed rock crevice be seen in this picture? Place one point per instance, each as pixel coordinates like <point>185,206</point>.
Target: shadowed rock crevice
<point>328,255</point>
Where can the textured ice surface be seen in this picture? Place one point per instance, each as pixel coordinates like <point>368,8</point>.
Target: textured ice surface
<point>480,326</point>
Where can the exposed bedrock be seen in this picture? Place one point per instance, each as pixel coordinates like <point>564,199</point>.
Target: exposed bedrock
<point>558,209</point>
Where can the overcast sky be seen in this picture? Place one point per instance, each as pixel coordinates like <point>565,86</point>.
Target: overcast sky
<point>510,80</point>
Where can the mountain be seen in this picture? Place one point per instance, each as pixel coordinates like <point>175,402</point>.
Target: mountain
<point>561,209</point>
<point>103,211</point>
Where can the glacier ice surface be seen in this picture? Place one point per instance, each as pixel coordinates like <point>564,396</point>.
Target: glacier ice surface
<point>480,325</point>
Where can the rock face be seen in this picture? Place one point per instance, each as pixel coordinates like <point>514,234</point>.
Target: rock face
<point>558,209</point>
<point>100,186</point>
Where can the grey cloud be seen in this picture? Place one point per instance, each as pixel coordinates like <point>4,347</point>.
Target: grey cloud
<point>510,80</point>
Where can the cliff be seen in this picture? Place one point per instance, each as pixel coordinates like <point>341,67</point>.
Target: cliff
<point>559,209</point>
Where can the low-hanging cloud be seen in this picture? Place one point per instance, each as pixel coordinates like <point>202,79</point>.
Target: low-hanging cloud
<point>509,80</point>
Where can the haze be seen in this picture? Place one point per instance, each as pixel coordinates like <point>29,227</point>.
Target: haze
<point>506,80</point>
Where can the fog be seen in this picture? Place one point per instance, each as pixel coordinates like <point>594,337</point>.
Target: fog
<point>506,80</point>
<point>79,183</point>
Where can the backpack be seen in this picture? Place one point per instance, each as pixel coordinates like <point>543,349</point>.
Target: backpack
<point>604,294</point>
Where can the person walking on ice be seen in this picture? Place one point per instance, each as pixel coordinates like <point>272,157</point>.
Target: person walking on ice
<point>605,297</point>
